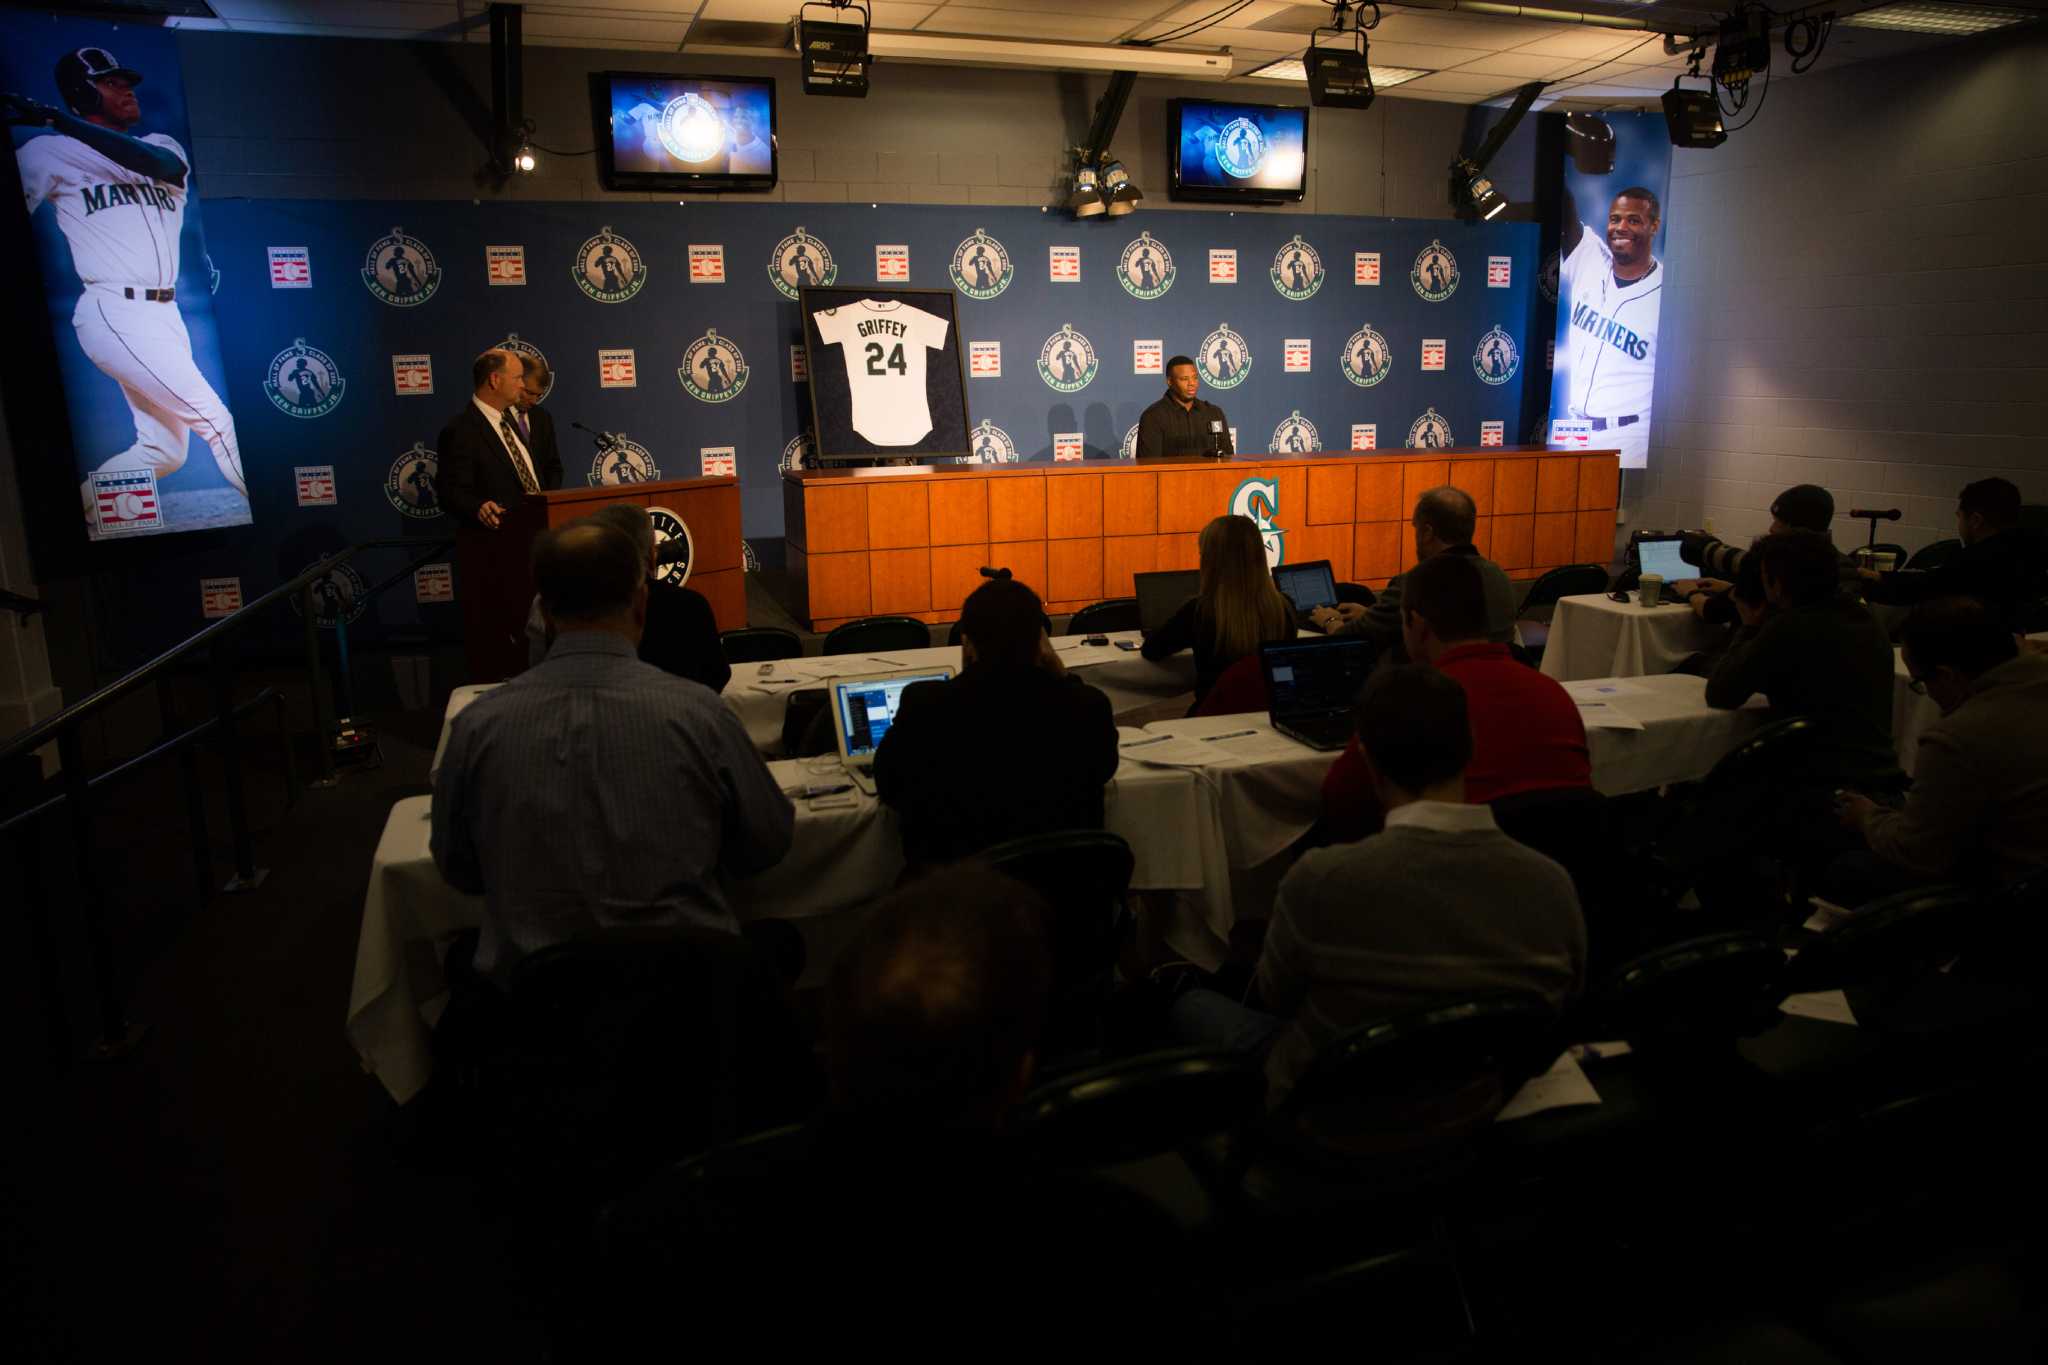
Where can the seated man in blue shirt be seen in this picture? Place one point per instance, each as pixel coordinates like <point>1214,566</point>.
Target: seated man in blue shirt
<point>593,791</point>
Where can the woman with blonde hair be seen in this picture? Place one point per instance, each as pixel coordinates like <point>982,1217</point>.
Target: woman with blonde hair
<point>1237,610</point>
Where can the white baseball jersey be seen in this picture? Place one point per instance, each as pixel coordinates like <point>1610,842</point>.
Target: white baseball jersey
<point>885,344</point>
<point>123,226</point>
<point>1611,349</point>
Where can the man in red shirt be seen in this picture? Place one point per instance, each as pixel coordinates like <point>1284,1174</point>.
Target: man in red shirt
<point>1526,731</point>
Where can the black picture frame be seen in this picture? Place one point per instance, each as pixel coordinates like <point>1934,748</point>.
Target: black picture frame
<point>836,442</point>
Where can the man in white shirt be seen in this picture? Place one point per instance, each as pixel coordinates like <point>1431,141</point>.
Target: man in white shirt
<point>1611,290</point>
<point>485,464</point>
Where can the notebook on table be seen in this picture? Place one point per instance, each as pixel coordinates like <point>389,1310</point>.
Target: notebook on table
<point>1311,686</point>
<point>863,709</point>
<point>1162,594</point>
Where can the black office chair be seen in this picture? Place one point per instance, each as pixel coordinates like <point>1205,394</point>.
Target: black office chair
<point>878,635</point>
<point>1138,1107</point>
<point>1532,621</point>
<point>1934,554</point>
<point>759,645</point>
<point>1356,592</point>
<point>1105,618</point>
<point>953,635</point>
<point>1778,748</point>
<point>1890,940</point>
<point>1702,993</point>
<point>1083,876</point>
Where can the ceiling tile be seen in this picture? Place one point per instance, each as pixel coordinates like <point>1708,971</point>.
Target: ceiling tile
<point>1524,66</point>
<point>1588,43</point>
<point>1428,56</point>
<point>1461,83</point>
<point>1131,10</point>
<point>1072,28</point>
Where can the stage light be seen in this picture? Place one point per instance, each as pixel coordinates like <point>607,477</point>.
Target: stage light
<point>523,160</point>
<point>1693,118</point>
<point>1116,184</point>
<point>1473,193</point>
<point>1338,78</point>
<point>1294,69</point>
<point>834,54</point>
<point>1086,200</point>
<point>1743,49</point>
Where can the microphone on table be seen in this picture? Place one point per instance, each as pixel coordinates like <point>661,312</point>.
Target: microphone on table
<point>987,572</point>
<point>674,550</point>
<point>1873,514</point>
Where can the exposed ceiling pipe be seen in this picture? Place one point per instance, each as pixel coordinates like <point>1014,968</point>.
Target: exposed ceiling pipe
<point>1548,16</point>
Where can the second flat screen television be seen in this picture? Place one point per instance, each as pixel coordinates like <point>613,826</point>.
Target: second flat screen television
<point>667,132</point>
<point>1247,153</point>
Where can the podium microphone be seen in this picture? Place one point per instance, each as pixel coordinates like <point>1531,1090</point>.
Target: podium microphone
<point>674,550</point>
<point>604,439</point>
<point>1891,514</point>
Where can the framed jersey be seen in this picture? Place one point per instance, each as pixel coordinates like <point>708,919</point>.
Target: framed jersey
<point>886,378</point>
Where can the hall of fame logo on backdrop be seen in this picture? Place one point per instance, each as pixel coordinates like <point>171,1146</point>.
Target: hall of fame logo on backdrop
<point>981,268</point>
<point>673,566</point>
<point>1367,357</point>
<point>1067,361</point>
<point>1431,431</point>
<point>1546,278</point>
<point>339,598</point>
<point>1146,268</point>
<point>624,460</point>
<point>690,128</point>
<point>1240,148</point>
<point>400,270</point>
<point>1297,270</point>
<point>608,267</point>
<point>1128,448</point>
<point>801,261</point>
<point>1225,358</point>
<point>1259,499</point>
<point>1496,358</point>
<point>1435,273</point>
<point>409,486</point>
<point>513,344</point>
<point>1295,435</point>
<point>304,381</point>
<point>800,453</point>
<point>990,444</point>
<point>713,369</point>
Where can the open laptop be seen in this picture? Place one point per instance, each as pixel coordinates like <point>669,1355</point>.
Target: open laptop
<point>1307,585</point>
<point>1160,595</point>
<point>1660,555</point>
<point>1311,686</point>
<point>863,710</point>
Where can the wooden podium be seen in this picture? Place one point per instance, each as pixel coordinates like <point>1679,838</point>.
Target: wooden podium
<point>495,578</point>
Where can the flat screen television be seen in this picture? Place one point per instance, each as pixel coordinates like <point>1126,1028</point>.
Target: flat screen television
<point>658,131</point>
<point>1242,153</point>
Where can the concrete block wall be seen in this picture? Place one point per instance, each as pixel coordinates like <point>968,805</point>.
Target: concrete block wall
<point>331,118</point>
<point>1859,297</point>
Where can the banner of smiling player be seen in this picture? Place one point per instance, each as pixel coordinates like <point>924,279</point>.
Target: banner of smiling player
<point>101,145</point>
<point>1610,282</point>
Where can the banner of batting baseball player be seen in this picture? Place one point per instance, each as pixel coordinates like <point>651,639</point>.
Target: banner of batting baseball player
<point>101,145</point>
<point>1610,282</point>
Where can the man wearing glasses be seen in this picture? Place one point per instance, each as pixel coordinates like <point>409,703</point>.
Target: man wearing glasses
<point>1444,522</point>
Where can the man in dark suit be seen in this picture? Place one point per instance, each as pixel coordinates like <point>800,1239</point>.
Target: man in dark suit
<point>536,427</point>
<point>485,465</point>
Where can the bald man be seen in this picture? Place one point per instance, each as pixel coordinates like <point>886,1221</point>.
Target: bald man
<point>485,463</point>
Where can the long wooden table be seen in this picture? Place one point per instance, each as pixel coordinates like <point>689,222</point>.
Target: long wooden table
<point>909,540</point>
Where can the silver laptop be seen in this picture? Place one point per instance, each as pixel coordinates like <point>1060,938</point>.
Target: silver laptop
<point>863,709</point>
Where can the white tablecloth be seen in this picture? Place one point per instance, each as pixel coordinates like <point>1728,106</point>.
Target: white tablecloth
<point>1593,636</point>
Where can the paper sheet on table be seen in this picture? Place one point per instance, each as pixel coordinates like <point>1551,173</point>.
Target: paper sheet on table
<point>1601,715</point>
<point>1601,689</point>
<point>1172,751</point>
<point>1564,1084</point>
<point>1828,1006</point>
<point>1257,746</point>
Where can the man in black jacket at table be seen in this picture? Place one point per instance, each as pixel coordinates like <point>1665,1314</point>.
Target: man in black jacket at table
<point>485,465</point>
<point>1014,745</point>
<point>2000,563</point>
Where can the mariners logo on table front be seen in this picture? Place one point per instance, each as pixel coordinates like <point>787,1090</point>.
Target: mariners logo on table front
<point>1431,431</point>
<point>1240,148</point>
<point>1295,435</point>
<point>400,270</point>
<point>801,261</point>
<point>1367,358</point>
<point>674,564</point>
<point>1259,499</point>
<point>304,381</point>
<point>513,344</point>
<point>690,128</point>
<point>338,599</point>
<point>1067,361</point>
<point>1496,359</point>
<point>1435,273</point>
<point>981,268</point>
<point>410,485</point>
<point>800,453</point>
<point>608,267</point>
<point>1146,269</point>
<point>1297,270</point>
<point>1128,450</point>
<point>1225,358</point>
<point>623,461</point>
<point>713,369</point>
<point>990,444</point>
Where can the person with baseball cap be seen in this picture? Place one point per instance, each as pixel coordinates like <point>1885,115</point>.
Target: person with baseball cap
<point>1729,573</point>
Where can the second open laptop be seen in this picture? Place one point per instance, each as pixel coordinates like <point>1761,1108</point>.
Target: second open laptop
<point>1307,585</point>
<point>1160,595</point>
<point>1311,686</point>
<point>863,709</point>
